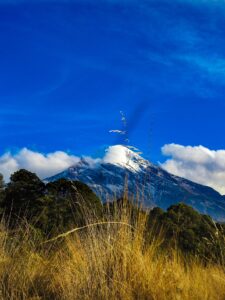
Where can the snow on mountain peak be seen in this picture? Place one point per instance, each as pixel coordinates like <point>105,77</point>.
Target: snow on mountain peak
<point>124,156</point>
<point>116,155</point>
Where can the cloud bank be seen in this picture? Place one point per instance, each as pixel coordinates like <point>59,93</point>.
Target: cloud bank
<point>197,163</point>
<point>43,165</point>
<point>46,165</point>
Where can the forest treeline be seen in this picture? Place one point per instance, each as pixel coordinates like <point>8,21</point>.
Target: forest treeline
<point>55,207</point>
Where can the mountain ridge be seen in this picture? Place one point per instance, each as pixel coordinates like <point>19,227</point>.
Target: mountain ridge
<point>151,184</point>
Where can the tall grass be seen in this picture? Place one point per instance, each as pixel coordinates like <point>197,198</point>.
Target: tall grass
<point>109,260</point>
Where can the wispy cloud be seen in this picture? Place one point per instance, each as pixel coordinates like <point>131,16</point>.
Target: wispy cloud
<point>210,66</point>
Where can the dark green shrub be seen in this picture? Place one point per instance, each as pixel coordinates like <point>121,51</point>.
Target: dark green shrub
<point>194,234</point>
<point>53,207</point>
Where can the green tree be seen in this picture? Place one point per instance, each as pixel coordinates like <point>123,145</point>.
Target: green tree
<point>69,203</point>
<point>2,184</point>
<point>22,196</point>
<point>2,192</point>
<point>193,233</point>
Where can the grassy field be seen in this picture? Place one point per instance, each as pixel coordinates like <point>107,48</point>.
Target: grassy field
<point>104,261</point>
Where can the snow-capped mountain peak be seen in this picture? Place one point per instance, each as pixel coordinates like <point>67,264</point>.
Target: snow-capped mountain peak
<point>122,166</point>
<point>125,157</point>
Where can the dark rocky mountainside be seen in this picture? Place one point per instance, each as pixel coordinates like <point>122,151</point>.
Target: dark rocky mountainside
<point>150,183</point>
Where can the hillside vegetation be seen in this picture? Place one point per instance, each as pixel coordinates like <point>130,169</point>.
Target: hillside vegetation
<point>57,241</point>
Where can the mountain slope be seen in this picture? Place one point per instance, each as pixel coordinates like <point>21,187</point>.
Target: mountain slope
<point>151,184</point>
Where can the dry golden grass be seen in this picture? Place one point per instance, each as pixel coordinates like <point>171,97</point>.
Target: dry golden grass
<point>107,261</point>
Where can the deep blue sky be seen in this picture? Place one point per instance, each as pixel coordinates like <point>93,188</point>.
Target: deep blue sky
<point>67,68</point>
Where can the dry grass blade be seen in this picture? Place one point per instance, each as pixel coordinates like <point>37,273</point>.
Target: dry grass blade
<point>65,234</point>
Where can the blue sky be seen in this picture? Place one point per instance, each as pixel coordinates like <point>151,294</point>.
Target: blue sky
<point>67,69</point>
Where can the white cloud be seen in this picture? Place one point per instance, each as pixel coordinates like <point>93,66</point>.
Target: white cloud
<point>122,155</point>
<point>43,165</point>
<point>197,163</point>
<point>116,155</point>
<point>8,165</point>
